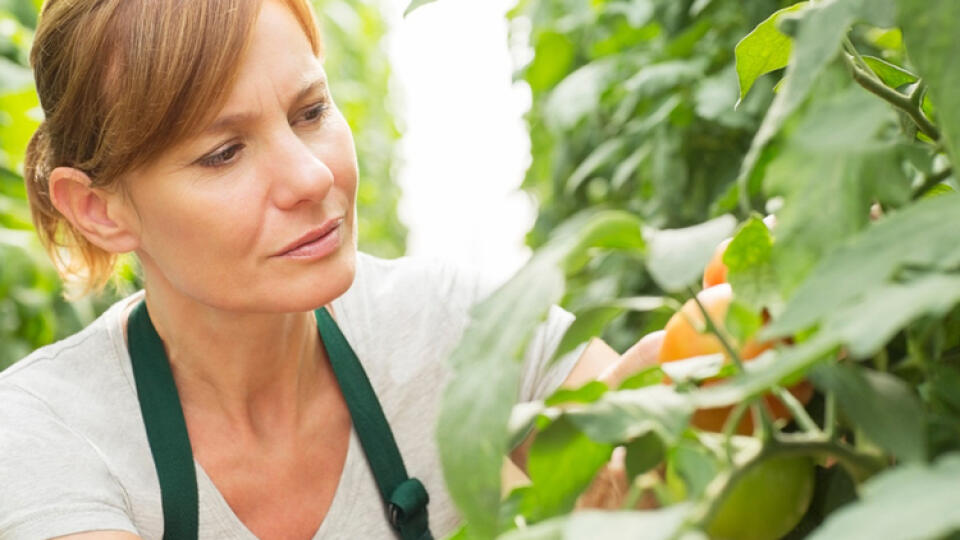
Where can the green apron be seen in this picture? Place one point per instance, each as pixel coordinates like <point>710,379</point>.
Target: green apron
<point>405,499</point>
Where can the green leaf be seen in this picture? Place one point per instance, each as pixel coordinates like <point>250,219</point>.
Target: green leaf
<point>588,393</point>
<point>553,58</point>
<point>882,405</point>
<point>414,4</point>
<point>627,414</point>
<point>677,256</point>
<point>561,463</point>
<point>646,377</point>
<point>929,30</point>
<point>643,454</point>
<point>922,235</point>
<point>892,75</point>
<point>578,94</point>
<point>907,502</point>
<point>592,319</point>
<point>694,464</point>
<point>834,166</point>
<point>763,50</point>
<point>662,524</point>
<point>822,28</point>
<point>472,433</point>
<point>599,157</point>
<point>748,260</point>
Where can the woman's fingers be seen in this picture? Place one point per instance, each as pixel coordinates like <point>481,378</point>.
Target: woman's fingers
<point>642,354</point>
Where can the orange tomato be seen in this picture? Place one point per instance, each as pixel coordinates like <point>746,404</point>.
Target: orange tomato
<point>682,340</point>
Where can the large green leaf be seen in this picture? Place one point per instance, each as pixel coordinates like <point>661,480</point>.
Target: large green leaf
<point>819,36</point>
<point>922,235</point>
<point>623,415</point>
<point>561,463</point>
<point>930,28</point>
<point>763,50</point>
<point>677,256</point>
<point>836,163</point>
<point>883,406</point>
<point>907,502</point>
<point>472,429</point>
<point>748,259</point>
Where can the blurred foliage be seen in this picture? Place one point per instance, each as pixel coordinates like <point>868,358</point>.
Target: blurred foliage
<point>633,109</point>
<point>32,310</point>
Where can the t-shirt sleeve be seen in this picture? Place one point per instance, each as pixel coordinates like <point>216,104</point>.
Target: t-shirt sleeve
<point>52,480</point>
<point>541,375</point>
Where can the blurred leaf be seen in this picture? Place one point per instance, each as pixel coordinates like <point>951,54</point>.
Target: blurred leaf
<point>646,377</point>
<point>643,454</point>
<point>561,463</point>
<point>748,259</point>
<point>624,415</point>
<point>907,502</point>
<point>763,50</point>
<point>835,166</point>
<point>587,393</point>
<point>661,524</point>
<point>822,28</point>
<point>883,406</point>
<point>578,94</point>
<point>922,235</point>
<point>928,27</point>
<point>676,257</point>
<point>414,4</point>
<point>471,432</point>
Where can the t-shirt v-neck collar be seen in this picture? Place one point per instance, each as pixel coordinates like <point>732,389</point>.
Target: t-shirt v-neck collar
<point>338,514</point>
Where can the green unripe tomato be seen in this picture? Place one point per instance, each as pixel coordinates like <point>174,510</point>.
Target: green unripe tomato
<point>767,502</point>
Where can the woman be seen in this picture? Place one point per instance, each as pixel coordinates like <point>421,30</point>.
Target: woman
<point>202,137</point>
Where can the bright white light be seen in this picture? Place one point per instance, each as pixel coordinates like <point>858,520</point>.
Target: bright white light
<point>465,148</point>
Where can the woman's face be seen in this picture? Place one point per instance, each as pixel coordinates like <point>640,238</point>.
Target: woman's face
<point>214,213</point>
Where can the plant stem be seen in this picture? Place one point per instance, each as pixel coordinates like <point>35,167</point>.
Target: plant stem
<point>931,181</point>
<point>861,466</point>
<point>905,103</point>
<point>712,327</point>
<point>796,410</point>
<point>830,415</point>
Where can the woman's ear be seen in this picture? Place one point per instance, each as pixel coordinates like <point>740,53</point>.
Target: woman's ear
<point>101,216</point>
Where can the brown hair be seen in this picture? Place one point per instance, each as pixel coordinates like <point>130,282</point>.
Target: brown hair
<point>120,81</point>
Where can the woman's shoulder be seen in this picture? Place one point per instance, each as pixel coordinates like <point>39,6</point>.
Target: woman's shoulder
<point>70,377</point>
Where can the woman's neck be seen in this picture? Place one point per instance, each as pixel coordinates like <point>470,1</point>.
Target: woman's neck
<point>256,372</point>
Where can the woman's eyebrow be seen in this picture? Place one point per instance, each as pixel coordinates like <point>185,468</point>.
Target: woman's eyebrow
<point>230,122</point>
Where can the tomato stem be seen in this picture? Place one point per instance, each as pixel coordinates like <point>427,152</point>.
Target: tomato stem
<point>712,327</point>
<point>796,410</point>
<point>830,415</point>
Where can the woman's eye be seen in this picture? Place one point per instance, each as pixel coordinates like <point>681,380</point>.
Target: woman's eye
<point>315,113</point>
<point>221,158</point>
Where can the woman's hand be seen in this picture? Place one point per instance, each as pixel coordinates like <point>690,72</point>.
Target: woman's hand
<point>609,488</point>
<point>643,354</point>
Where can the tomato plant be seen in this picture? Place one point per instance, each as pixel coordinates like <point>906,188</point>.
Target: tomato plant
<point>657,133</point>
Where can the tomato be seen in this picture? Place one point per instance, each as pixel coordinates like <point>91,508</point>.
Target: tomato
<point>682,340</point>
<point>767,502</point>
<point>716,272</point>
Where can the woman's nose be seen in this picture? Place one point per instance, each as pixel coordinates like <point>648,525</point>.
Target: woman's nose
<point>298,172</point>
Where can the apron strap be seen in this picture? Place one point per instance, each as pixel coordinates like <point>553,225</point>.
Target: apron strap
<point>166,426</point>
<point>405,498</point>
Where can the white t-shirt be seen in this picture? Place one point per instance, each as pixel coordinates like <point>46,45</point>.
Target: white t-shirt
<point>74,454</point>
